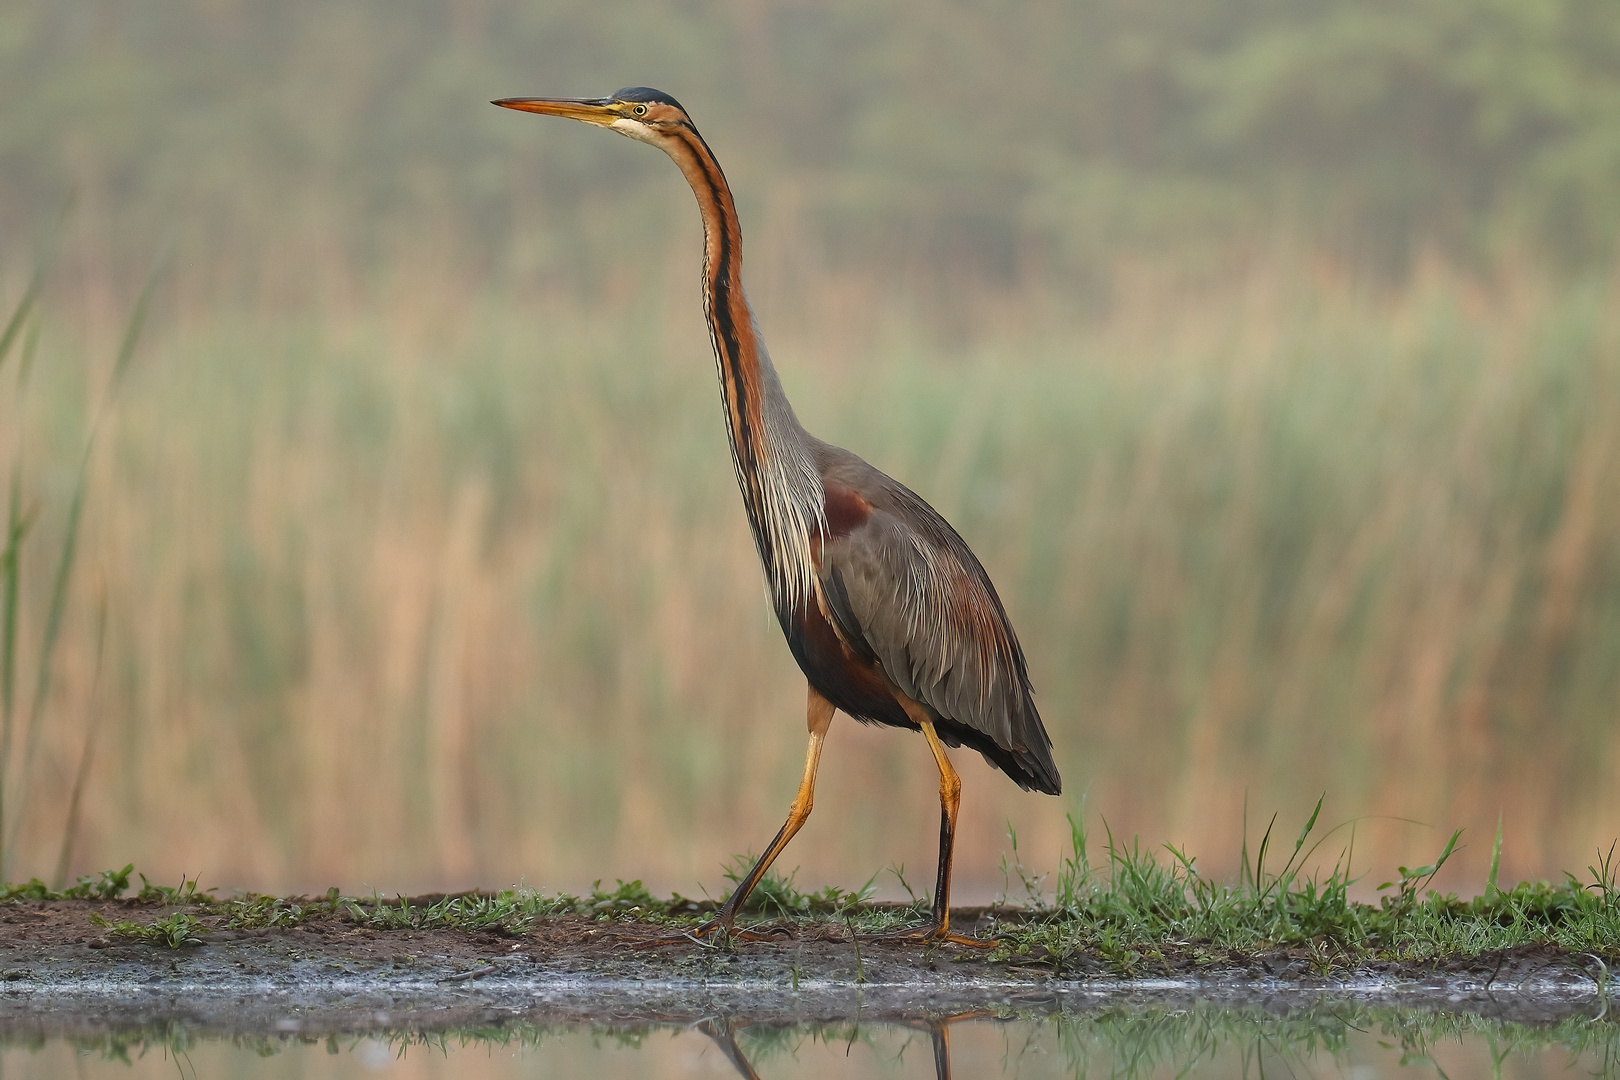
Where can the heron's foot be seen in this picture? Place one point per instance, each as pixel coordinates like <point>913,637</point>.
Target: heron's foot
<point>713,934</point>
<point>716,931</point>
<point>935,934</point>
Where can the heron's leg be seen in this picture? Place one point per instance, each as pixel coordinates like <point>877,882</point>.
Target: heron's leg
<point>724,1033</point>
<point>950,798</point>
<point>940,1036</point>
<point>819,714</point>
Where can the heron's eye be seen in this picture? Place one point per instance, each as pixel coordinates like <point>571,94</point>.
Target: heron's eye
<point>640,110</point>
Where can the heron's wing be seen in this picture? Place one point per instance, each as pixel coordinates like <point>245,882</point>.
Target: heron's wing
<point>905,589</point>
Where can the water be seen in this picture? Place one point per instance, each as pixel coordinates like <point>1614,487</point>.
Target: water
<point>1103,1037</point>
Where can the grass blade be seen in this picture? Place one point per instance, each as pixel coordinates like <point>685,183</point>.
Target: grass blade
<point>71,829</point>
<point>1496,859</point>
<point>36,284</point>
<point>57,607</point>
<point>16,530</point>
<point>47,652</point>
<point>137,323</point>
<point>17,526</point>
<point>10,579</point>
<point>1245,870</point>
<point>20,316</point>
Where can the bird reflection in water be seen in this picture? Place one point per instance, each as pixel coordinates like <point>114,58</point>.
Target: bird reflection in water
<point>723,1030</point>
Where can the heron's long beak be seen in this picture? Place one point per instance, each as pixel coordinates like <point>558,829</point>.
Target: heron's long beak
<point>599,111</point>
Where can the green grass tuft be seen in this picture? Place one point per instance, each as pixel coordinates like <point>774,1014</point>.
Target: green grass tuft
<point>1137,903</point>
<point>181,928</point>
<point>108,885</point>
<point>776,895</point>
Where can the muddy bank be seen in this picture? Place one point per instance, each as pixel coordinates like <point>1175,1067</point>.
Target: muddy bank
<point>61,973</point>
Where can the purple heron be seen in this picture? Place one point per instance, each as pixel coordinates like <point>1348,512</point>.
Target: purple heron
<point>886,609</point>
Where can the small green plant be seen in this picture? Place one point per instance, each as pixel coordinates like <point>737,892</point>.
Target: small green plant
<point>1413,880</point>
<point>899,872</point>
<point>171,931</point>
<point>776,895</point>
<point>509,913</point>
<point>184,893</point>
<point>1034,896</point>
<point>1603,877</point>
<point>628,898</point>
<point>108,885</point>
<point>255,912</point>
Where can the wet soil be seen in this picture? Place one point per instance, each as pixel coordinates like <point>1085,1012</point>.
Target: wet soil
<point>60,972</point>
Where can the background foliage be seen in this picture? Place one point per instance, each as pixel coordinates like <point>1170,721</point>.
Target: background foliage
<point>1001,139</point>
<point>1264,351</point>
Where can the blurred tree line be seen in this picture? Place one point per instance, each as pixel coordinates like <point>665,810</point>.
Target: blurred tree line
<point>998,140</point>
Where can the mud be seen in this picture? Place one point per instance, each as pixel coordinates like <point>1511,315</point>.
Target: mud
<point>61,974</point>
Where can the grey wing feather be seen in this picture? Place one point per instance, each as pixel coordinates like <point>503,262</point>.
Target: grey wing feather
<point>908,588</point>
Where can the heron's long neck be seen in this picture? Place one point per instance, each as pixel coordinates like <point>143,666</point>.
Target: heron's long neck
<point>780,483</point>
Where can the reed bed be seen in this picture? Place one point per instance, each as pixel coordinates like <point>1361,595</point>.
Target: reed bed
<point>433,583</point>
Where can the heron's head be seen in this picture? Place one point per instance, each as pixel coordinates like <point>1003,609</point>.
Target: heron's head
<point>636,111</point>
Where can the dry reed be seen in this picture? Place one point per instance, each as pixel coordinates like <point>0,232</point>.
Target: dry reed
<point>436,585</point>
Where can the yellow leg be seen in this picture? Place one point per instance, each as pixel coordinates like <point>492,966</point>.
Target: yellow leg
<point>819,714</point>
<point>950,799</point>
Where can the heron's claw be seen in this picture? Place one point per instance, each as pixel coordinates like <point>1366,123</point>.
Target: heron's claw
<point>711,935</point>
<point>716,928</point>
<point>935,935</point>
